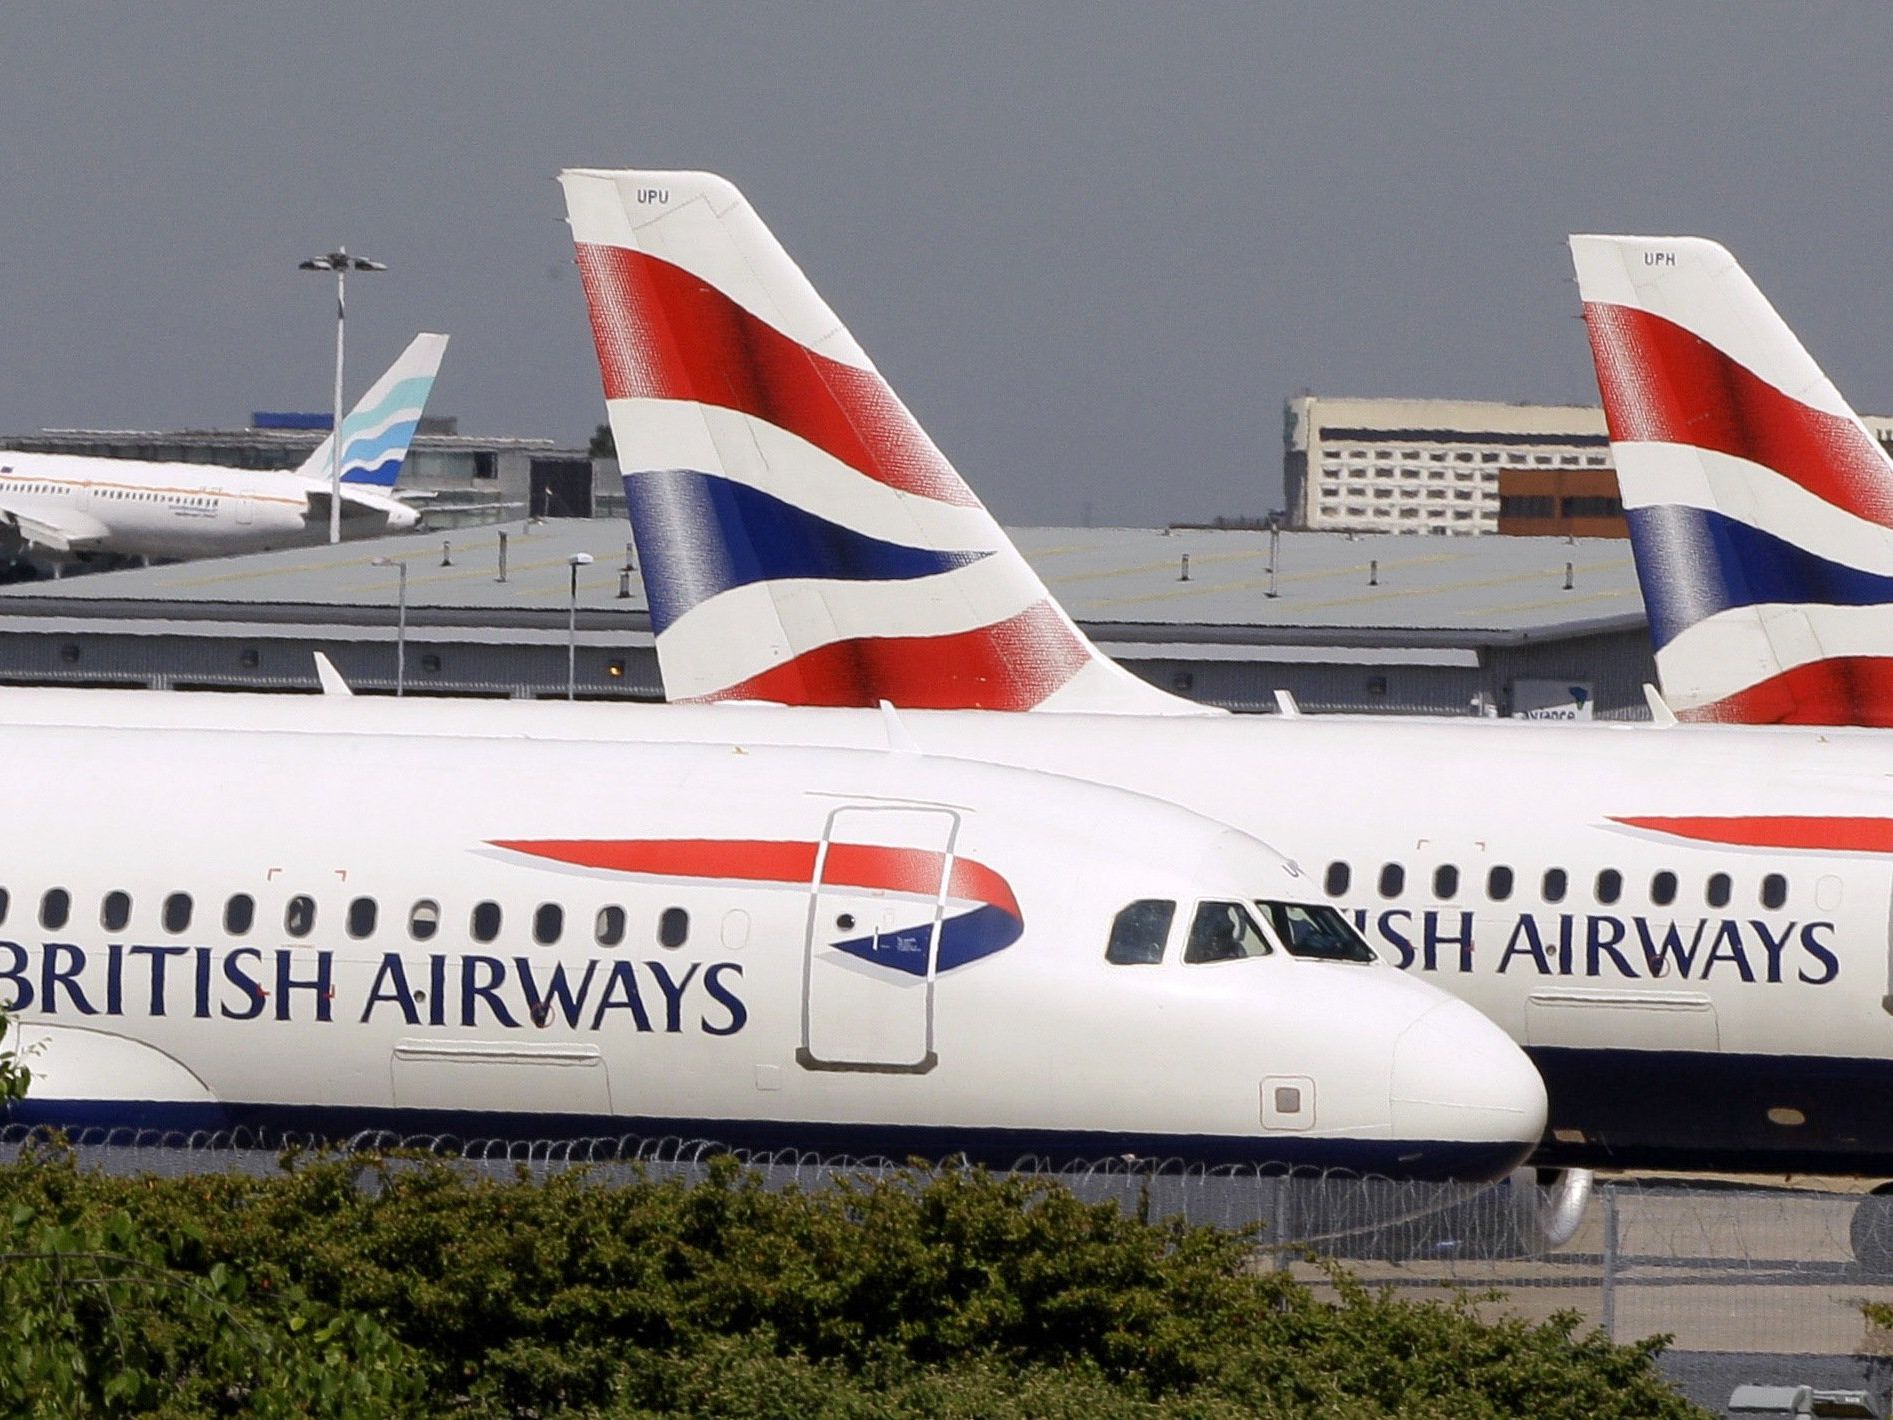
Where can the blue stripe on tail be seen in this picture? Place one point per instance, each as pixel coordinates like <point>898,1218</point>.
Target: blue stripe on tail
<point>1694,563</point>
<point>700,536</point>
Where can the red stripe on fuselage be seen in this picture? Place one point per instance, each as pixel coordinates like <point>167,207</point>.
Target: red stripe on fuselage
<point>1837,835</point>
<point>915,871</point>
<point>1011,665</point>
<point>1843,690</point>
<point>663,333</point>
<point>1664,384</point>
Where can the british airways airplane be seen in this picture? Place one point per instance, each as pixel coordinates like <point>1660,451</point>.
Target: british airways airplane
<point>1686,927</point>
<point>552,932</point>
<point>1760,507</point>
<point>73,506</point>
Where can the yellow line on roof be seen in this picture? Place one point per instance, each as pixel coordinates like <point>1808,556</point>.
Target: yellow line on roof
<point>1194,588</point>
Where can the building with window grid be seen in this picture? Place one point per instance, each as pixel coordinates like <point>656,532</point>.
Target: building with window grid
<point>1434,465</point>
<point>1423,465</point>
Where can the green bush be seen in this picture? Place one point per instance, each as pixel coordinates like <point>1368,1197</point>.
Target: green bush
<point>348,1286</point>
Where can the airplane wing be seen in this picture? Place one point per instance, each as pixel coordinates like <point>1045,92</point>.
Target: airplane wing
<point>70,532</point>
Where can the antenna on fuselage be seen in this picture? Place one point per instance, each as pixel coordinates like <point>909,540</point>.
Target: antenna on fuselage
<point>898,740</point>
<point>1659,707</point>
<point>331,678</point>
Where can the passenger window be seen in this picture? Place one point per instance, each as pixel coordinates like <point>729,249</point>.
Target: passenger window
<point>54,908</point>
<point>1315,931</point>
<point>6,901</point>
<point>362,913</point>
<point>486,921</point>
<point>299,917</point>
<point>1774,891</point>
<point>1224,931</point>
<point>1445,882</point>
<point>609,928</point>
<point>1339,875</point>
<point>1554,884</point>
<point>115,911</point>
<point>176,912</point>
<point>1393,878</point>
<point>1610,885</point>
<point>239,914</point>
<point>424,919</point>
<point>547,923</point>
<point>1139,931</point>
<point>1663,888</point>
<point>673,928</point>
<point>1498,883</point>
<point>1716,892</point>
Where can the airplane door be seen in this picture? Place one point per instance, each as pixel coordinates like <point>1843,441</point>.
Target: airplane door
<point>246,511</point>
<point>874,919</point>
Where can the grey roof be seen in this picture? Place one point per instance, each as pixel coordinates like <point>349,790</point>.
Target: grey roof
<point>1124,584</point>
<point>1482,588</point>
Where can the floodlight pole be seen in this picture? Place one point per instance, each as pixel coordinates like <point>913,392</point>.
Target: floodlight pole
<point>576,560</point>
<point>341,263</point>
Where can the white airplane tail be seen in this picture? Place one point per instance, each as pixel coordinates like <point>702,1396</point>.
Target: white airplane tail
<point>377,432</point>
<point>1760,507</point>
<point>802,539</point>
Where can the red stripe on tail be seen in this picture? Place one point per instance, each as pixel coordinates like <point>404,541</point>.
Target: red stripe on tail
<point>1844,690</point>
<point>662,333</point>
<point>1664,384</point>
<point>1010,665</point>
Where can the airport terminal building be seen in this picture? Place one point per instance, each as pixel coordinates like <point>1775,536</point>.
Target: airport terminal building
<point>1360,623</point>
<point>1455,467</point>
<point>1342,610</point>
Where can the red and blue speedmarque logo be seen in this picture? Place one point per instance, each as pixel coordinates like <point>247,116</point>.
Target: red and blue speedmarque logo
<point>982,914</point>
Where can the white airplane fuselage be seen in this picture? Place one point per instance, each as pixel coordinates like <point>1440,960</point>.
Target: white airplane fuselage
<point>298,915</point>
<point>1715,1029</point>
<point>137,508</point>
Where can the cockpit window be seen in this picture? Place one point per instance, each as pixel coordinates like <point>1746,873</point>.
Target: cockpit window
<point>1317,931</point>
<point>1139,932</point>
<point>1224,931</point>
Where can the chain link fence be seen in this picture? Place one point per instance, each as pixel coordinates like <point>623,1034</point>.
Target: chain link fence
<point>1752,1283</point>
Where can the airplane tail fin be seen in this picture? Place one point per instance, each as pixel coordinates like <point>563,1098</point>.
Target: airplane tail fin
<point>1760,507</point>
<point>802,539</point>
<point>377,432</point>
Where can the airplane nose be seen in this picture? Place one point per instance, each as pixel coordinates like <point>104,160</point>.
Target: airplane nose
<point>1459,1080</point>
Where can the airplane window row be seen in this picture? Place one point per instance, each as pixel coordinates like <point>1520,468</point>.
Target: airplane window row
<point>132,495</point>
<point>136,495</point>
<point>610,923</point>
<point>1718,890</point>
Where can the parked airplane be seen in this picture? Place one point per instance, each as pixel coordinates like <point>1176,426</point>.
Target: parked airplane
<point>871,950</point>
<point>1686,927</point>
<point>1760,507</point>
<point>72,506</point>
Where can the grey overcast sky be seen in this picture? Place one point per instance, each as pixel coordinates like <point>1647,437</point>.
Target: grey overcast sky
<point>1093,245</point>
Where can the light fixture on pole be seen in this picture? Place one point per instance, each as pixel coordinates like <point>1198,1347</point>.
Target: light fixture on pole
<point>576,561</point>
<point>341,263</point>
<point>400,622</point>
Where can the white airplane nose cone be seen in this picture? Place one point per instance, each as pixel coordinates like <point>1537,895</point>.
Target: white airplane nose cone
<point>1458,1078</point>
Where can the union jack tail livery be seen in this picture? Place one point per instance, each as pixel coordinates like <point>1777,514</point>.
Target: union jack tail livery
<point>1760,508</point>
<point>802,540</point>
